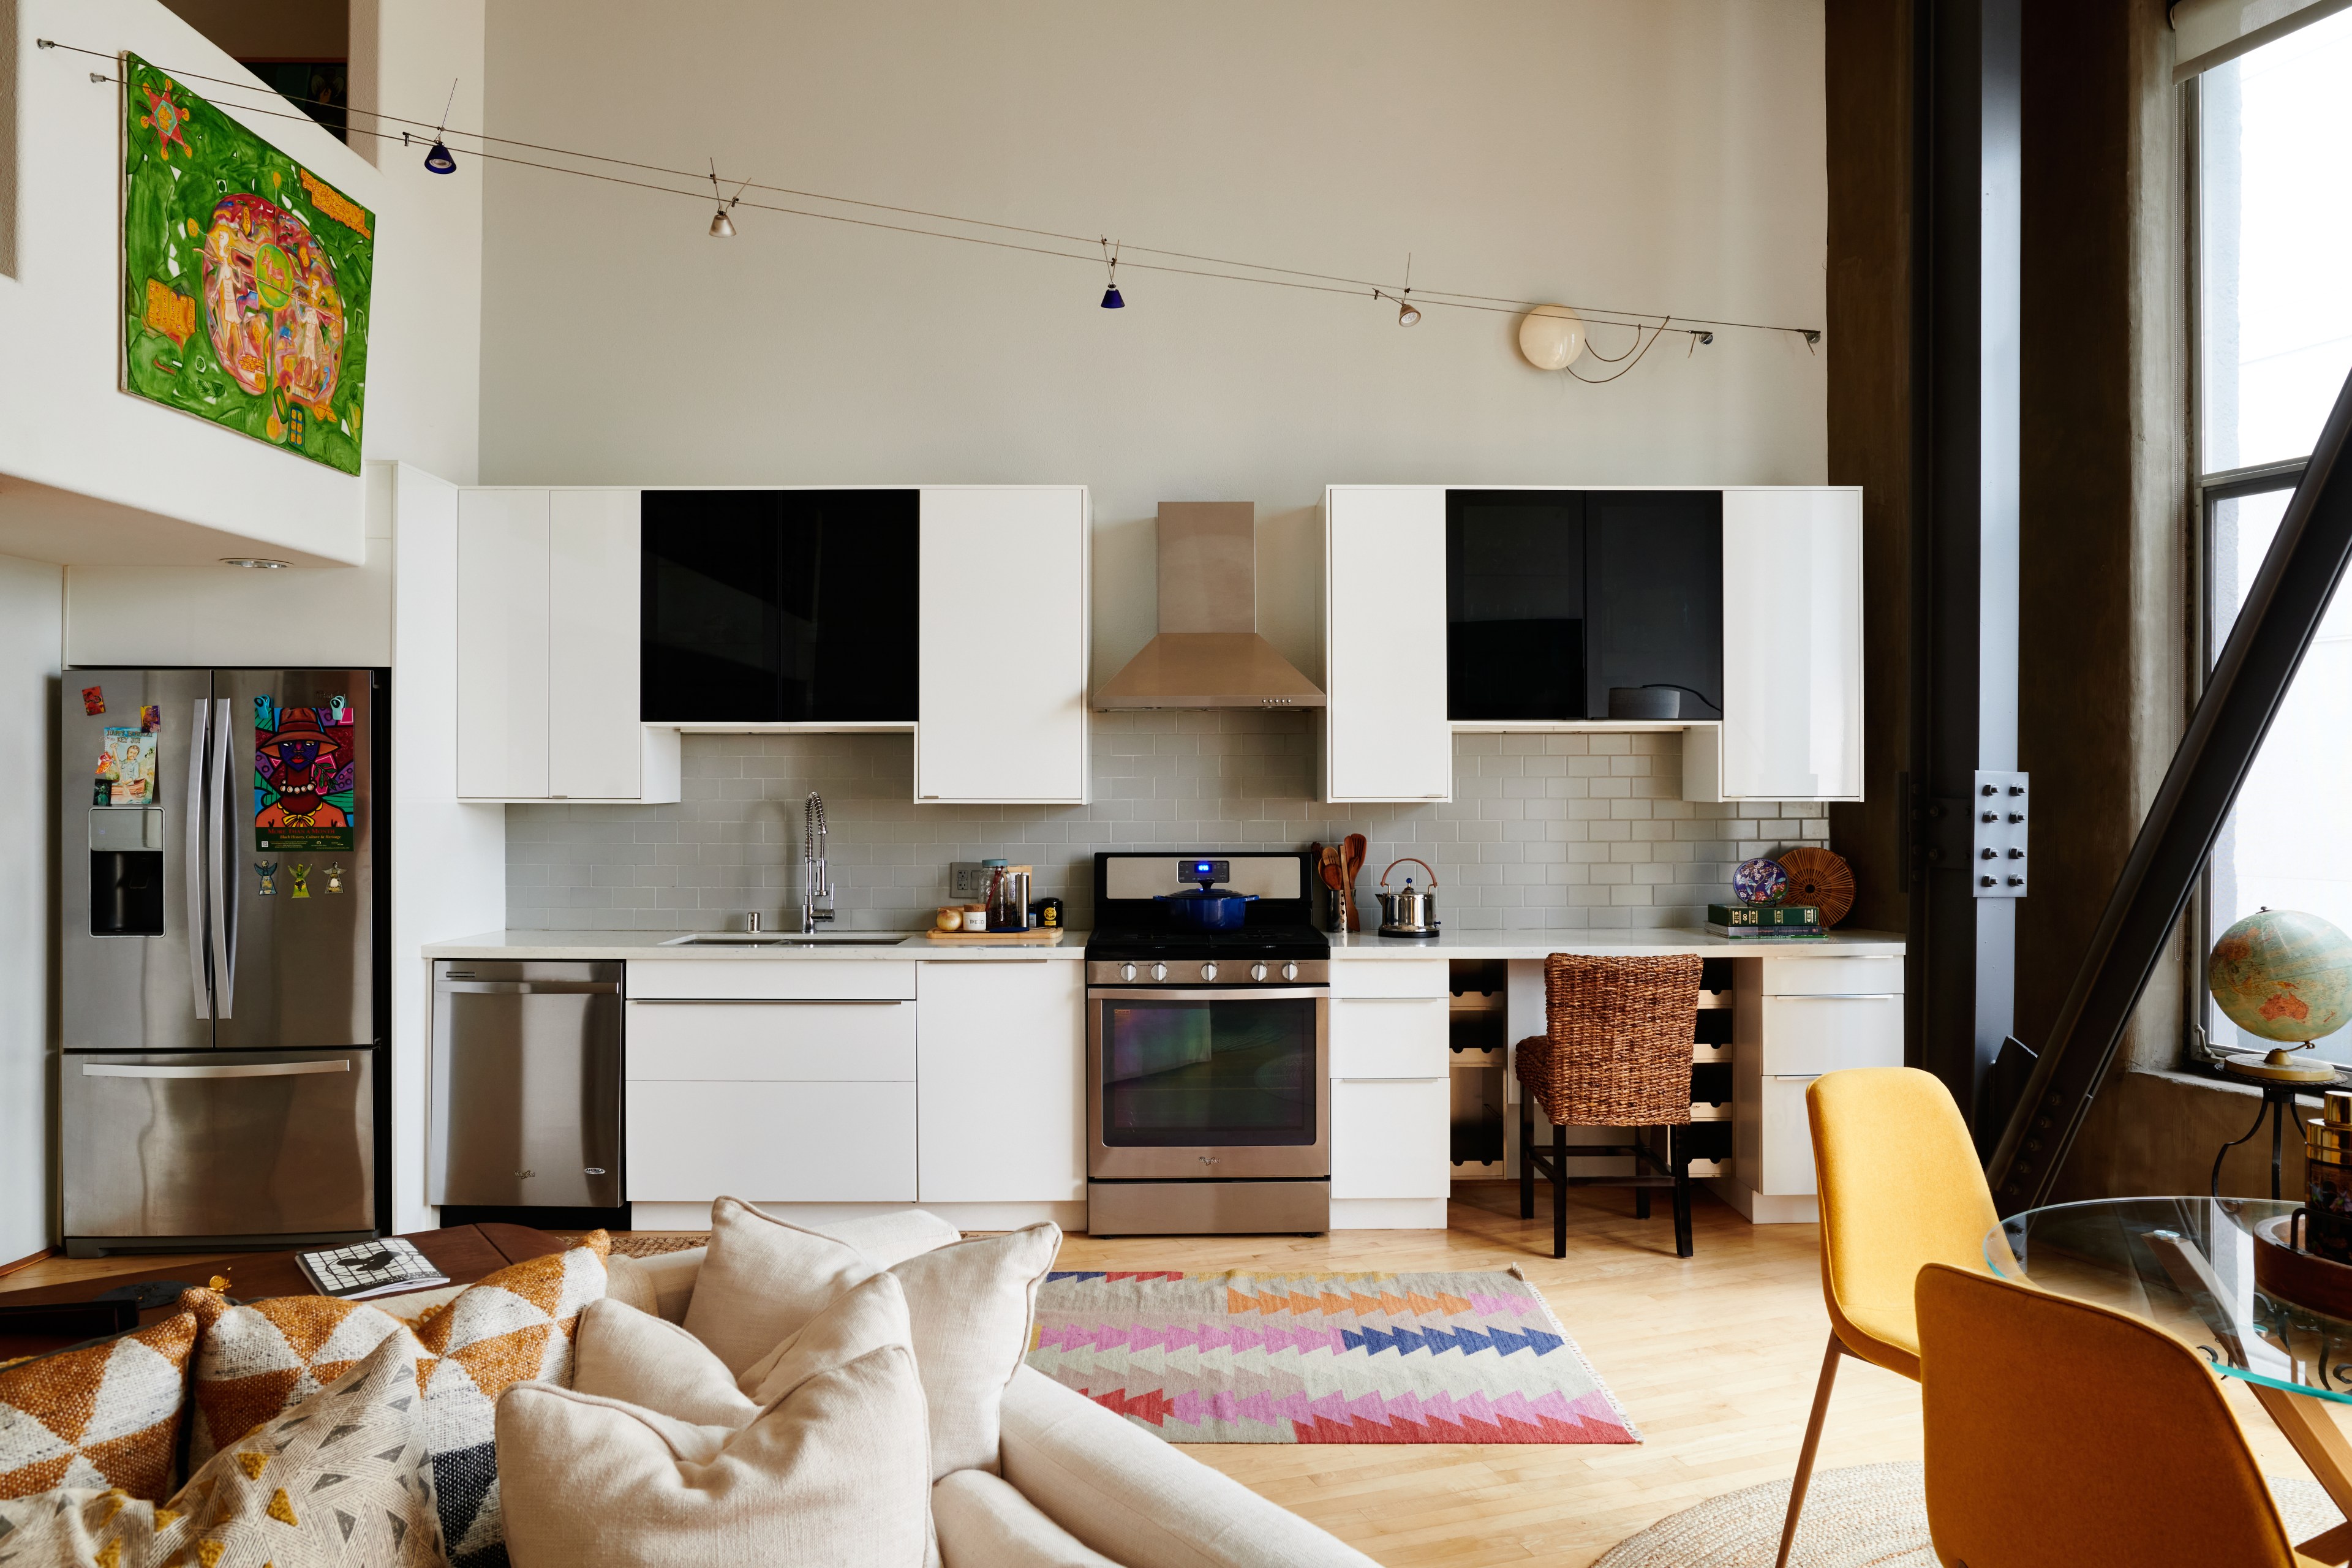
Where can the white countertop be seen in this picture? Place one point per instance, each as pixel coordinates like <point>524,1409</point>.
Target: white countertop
<point>1631,942</point>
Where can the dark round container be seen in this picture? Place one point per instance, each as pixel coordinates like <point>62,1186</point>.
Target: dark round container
<point>1201,910</point>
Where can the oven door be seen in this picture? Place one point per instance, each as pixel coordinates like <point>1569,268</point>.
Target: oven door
<point>1206,1084</point>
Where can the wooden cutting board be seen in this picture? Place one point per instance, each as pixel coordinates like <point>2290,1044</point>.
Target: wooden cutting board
<point>1038,936</point>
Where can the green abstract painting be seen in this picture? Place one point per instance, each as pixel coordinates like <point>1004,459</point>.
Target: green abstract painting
<point>245,277</point>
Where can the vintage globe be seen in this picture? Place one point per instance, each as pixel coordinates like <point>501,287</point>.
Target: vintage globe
<point>2282,974</point>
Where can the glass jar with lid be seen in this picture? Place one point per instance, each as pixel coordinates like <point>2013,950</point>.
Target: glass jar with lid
<point>1008,896</point>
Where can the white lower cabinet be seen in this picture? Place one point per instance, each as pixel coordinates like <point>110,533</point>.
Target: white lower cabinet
<point>1390,1138</point>
<point>806,1100</point>
<point>1794,1019</point>
<point>774,1143</point>
<point>1002,1057</point>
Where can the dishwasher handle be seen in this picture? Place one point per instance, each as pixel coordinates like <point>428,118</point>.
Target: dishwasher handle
<point>529,987</point>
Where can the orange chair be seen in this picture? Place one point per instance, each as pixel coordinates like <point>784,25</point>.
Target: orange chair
<point>2061,1434</point>
<point>1899,1188</point>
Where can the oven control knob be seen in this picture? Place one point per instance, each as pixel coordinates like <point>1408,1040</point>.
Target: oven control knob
<point>1257,971</point>
<point>1208,971</point>
<point>1158,972</point>
<point>1290,972</point>
<point>1127,972</point>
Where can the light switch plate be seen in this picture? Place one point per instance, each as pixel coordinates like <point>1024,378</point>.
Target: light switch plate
<point>967,881</point>
<point>1996,861</point>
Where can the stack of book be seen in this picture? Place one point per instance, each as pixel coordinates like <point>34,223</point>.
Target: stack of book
<point>1764,920</point>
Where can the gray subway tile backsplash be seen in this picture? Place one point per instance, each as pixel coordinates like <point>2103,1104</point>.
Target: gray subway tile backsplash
<point>1545,831</point>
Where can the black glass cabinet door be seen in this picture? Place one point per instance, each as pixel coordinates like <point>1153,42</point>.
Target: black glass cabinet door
<point>779,607</point>
<point>1653,596</point>
<point>1515,631</point>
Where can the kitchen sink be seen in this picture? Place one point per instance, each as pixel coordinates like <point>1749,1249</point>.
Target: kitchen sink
<point>785,939</point>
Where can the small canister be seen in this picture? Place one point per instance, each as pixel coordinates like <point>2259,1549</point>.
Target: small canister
<point>975,916</point>
<point>1046,913</point>
<point>2328,1178</point>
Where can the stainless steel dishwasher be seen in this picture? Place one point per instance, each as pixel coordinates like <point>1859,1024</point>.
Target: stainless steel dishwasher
<point>526,1088</point>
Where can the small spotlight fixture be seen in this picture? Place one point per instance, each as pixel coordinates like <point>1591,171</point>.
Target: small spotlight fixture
<point>1110,299</point>
<point>1706,337</point>
<point>255,563</point>
<point>722,225</point>
<point>1408,313</point>
<point>437,160</point>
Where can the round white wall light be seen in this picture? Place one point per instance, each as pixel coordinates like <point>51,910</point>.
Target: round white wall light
<point>1551,336</point>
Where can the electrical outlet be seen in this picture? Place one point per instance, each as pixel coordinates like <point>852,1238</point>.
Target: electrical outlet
<point>967,881</point>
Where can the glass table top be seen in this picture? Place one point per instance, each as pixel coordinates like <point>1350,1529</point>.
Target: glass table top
<point>2186,1265</point>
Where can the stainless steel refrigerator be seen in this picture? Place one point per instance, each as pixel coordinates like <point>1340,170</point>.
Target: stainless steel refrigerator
<point>224,909</point>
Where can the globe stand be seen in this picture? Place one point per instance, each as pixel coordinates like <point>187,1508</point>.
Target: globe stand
<point>2281,1079</point>
<point>2280,1065</point>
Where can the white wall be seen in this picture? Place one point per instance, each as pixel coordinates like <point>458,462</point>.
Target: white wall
<point>65,430</point>
<point>1667,155</point>
<point>30,597</point>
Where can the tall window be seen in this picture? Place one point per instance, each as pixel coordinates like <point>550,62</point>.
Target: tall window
<point>2273,170</point>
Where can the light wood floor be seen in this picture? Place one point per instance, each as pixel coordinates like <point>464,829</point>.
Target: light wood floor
<point>1714,1357</point>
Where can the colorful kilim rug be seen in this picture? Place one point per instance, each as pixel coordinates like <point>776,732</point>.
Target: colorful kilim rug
<point>1324,1358</point>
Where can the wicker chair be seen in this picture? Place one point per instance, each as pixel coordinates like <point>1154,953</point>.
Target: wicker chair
<point>1617,1054</point>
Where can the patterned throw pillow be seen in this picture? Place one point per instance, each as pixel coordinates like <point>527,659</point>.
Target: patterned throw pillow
<point>255,1359</point>
<point>514,1326</point>
<point>341,1478</point>
<point>105,1416</point>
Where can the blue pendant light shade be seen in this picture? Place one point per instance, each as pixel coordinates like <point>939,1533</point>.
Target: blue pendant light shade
<point>1111,301</point>
<point>438,161</point>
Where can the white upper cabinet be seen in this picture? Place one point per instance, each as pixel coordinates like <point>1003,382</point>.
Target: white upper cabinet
<point>1792,651</point>
<point>546,650</point>
<point>1002,612</point>
<point>1385,733</point>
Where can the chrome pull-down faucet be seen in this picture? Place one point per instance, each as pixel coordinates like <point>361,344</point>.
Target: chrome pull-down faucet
<point>817,886</point>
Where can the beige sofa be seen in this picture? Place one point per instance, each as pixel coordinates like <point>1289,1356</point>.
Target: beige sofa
<point>1083,1472</point>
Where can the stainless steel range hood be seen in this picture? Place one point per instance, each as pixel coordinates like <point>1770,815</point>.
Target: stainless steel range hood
<point>1208,653</point>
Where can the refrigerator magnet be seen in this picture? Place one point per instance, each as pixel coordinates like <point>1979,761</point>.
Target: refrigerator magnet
<point>334,878</point>
<point>304,768</point>
<point>299,873</point>
<point>268,871</point>
<point>150,718</point>
<point>93,700</point>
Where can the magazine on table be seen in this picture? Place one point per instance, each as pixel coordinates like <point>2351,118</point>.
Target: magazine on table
<point>370,1268</point>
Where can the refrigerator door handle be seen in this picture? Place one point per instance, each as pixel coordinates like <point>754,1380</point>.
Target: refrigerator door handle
<point>192,831</point>
<point>233,1070</point>
<point>222,830</point>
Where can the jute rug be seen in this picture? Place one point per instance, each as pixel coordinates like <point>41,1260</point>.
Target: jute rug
<point>1870,1516</point>
<point>1323,1358</point>
<point>652,1246</point>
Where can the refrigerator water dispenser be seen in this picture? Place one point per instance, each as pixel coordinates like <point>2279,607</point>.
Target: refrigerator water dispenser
<point>126,870</point>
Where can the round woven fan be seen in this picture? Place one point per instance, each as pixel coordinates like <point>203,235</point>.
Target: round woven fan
<point>1818,876</point>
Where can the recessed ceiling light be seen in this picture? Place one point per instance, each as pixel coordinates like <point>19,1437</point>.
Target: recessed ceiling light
<point>255,562</point>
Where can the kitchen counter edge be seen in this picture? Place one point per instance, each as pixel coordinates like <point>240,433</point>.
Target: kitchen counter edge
<point>1627,941</point>
<point>643,945</point>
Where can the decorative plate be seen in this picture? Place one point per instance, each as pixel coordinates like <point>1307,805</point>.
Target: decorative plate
<point>1819,876</point>
<point>1759,881</point>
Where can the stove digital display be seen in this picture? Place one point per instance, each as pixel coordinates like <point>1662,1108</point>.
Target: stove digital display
<point>1208,873</point>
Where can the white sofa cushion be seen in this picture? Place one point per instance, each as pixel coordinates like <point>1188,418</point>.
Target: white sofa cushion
<point>984,1522</point>
<point>884,1238</point>
<point>971,1304</point>
<point>1133,1497</point>
<point>619,1353</point>
<point>835,1470</point>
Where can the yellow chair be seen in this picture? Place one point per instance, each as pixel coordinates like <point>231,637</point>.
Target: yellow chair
<point>1899,1188</point>
<point>2063,1434</point>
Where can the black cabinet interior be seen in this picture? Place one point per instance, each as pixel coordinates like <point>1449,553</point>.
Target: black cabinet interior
<point>1515,604</point>
<point>779,607</point>
<point>1654,600</point>
<point>1554,596</point>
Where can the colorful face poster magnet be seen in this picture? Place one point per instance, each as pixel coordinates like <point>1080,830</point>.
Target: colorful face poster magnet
<point>268,871</point>
<point>93,700</point>
<point>245,278</point>
<point>298,874</point>
<point>303,770</point>
<point>335,877</point>
<point>126,769</point>
<point>150,718</point>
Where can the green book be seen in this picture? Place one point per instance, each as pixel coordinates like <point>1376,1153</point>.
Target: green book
<point>1765,917</point>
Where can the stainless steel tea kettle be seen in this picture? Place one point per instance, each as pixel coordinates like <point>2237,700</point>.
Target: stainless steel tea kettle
<point>1409,911</point>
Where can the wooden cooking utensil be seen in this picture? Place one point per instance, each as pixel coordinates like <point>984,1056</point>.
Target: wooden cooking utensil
<point>1333,879</point>
<point>1352,851</point>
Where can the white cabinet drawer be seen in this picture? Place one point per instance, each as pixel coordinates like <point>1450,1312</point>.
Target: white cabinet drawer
<point>1774,1152</point>
<point>1833,977</point>
<point>1811,1034</point>
<point>772,1041</point>
<point>774,979</point>
<point>1392,1139</point>
<point>772,1142</point>
<point>1388,977</point>
<point>1389,1037</point>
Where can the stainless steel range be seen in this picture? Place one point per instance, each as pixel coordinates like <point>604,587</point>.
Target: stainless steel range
<point>1208,1050</point>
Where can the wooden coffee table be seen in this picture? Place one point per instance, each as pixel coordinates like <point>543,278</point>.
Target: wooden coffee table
<point>465,1253</point>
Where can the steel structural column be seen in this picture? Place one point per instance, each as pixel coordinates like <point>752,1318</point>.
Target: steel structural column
<point>1965,540</point>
